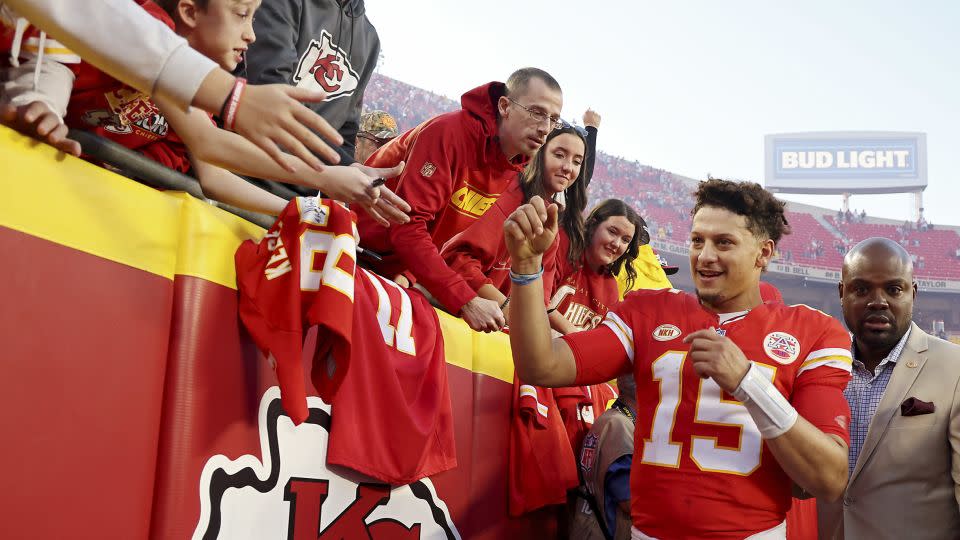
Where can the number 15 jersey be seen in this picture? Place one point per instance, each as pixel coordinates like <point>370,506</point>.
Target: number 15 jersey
<point>700,468</point>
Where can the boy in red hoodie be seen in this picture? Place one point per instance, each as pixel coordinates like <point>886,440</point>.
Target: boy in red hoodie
<point>457,165</point>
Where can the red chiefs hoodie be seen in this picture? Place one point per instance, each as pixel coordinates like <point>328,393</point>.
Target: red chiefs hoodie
<point>455,170</point>
<point>479,253</point>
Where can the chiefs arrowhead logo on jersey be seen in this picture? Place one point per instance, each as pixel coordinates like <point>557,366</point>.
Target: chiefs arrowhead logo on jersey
<point>781,347</point>
<point>325,66</point>
<point>290,493</point>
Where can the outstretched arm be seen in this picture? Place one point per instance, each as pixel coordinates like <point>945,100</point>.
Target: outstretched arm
<point>212,145</point>
<point>224,186</point>
<point>539,359</point>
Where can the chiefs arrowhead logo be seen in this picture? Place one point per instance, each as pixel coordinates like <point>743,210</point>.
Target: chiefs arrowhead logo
<point>325,66</point>
<point>290,493</point>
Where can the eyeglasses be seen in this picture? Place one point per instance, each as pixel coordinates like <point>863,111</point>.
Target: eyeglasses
<point>553,121</point>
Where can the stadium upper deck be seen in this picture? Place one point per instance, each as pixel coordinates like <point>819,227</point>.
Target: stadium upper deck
<point>819,239</point>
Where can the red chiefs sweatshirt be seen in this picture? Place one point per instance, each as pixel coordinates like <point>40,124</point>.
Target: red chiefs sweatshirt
<point>479,253</point>
<point>455,170</point>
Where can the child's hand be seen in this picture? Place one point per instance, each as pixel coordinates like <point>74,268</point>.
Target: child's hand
<point>38,121</point>
<point>272,116</point>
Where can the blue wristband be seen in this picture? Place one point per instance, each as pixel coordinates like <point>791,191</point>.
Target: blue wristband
<point>525,279</point>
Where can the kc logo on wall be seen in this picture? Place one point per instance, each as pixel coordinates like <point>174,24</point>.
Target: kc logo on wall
<point>292,494</point>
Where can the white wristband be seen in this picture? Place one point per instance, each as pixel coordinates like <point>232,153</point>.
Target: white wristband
<point>770,410</point>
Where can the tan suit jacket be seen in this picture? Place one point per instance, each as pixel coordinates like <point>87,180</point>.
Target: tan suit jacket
<point>905,482</point>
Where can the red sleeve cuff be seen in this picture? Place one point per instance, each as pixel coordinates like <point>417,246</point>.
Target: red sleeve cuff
<point>455,296</point>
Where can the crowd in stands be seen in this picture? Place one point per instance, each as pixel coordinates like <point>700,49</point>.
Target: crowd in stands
<point>408,104</point>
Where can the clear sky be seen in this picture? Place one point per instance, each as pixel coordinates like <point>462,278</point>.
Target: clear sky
<point>693,86</point>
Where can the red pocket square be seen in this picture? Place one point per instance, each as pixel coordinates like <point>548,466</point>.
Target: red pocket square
<point>915,407</point>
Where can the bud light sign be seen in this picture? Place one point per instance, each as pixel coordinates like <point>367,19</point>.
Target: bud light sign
<point>846,162</point>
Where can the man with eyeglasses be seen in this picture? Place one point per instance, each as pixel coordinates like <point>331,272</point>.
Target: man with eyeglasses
<point>377,128</point>
<point>457,165</point>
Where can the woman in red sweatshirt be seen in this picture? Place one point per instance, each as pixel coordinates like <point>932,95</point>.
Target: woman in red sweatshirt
<point>479,254</point>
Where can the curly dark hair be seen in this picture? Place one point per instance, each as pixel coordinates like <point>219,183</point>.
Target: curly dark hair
<point>599,214</point>
<point>765,214</point>
<point>575,195</point>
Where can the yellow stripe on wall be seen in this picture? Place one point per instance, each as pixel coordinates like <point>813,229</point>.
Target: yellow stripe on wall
<point>210,236</point>
<point>74,203</point>
<point>68,201</point>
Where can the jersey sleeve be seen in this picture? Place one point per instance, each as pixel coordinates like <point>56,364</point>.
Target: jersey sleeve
<point>532,405</point>
<point>822,404</point>
<point>823,375</point>
<point>607,351</point>
<point>830,351</point>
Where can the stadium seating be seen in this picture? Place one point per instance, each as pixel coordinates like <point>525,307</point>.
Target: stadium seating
<point>937,247</point>
<point>662,198</point>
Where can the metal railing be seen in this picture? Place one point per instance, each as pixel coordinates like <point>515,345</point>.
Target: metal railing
<point>142,169</point>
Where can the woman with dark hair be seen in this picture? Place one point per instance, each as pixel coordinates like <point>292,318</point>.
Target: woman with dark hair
<point>479,254</point>
<point>585,284</point>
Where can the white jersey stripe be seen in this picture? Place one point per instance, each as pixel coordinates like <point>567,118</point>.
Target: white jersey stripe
<point>820,353</point>
<point>622,331</point>
<point>840,362</point>
<point>529,391</point>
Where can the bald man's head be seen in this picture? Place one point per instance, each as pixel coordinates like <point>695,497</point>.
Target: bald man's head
<point>877,291</point>
<point>877,247</point>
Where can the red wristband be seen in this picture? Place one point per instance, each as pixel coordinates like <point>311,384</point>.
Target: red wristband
<point>229,111</point>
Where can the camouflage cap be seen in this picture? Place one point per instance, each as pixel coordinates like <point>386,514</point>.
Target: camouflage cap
<point>379,124</point>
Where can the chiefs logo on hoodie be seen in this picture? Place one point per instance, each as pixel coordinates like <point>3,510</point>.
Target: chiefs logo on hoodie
<point>325,66</point>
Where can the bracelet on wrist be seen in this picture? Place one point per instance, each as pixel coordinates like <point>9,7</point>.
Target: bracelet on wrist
<point>505,302</point>
<point>228,113</point>
<point>525,279</point>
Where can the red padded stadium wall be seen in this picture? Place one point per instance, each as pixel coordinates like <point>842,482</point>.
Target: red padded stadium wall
<point>84,352</point>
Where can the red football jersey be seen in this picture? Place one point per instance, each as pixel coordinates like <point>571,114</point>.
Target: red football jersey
<point>379,359</point>
<point>701,469</point>
<point>541,463</point>
<point>582,296</point>
<point>579,407</point>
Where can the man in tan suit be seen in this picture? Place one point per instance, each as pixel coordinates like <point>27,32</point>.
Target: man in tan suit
<point>905,409</point>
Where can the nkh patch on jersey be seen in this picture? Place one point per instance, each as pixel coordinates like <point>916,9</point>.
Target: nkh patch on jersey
<point>325,66</point>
